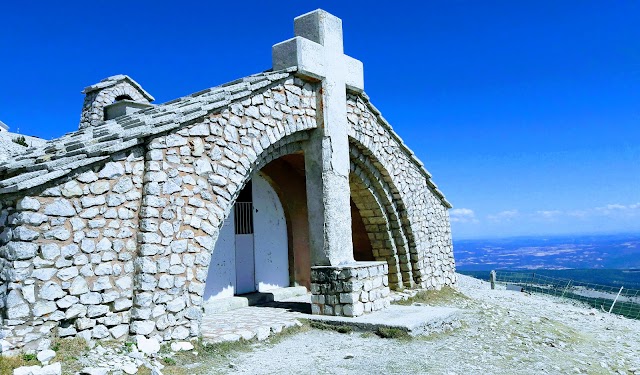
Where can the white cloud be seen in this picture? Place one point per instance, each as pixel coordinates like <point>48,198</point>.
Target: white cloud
<point>462,215</point>
<point>581,214</point>
<point>616,208</point>
<point>613,209</point>
<point>549,214</point>
<point>506,215</point>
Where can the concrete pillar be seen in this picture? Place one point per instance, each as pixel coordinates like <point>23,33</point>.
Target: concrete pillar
<point>317,51</point>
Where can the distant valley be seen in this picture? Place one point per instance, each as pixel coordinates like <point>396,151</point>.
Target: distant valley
<point>621,251</point>
<point>612,260</point>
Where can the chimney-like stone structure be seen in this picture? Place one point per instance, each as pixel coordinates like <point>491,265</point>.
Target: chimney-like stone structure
<point>112,97</point>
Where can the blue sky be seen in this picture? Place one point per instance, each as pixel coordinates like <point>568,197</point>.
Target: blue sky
<point>526,113</point>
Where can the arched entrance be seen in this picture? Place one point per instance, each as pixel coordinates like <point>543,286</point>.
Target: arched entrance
<point>251,253</point>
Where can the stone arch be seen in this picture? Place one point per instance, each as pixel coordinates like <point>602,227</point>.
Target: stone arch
<point>376,223</point>
<point>393,239</point>
<point>287,177</point>
<point>192,179</point>
<point>421,206</point>
<point>285,147</point>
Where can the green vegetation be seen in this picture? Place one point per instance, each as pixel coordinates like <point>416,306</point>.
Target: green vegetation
<point>392,333</point>
<point>21,141</point>
<point>434,297</point>
<point>67,352</point>
<point>169,361</point>
<point>206,356</point>
<point>340,328</point>
<point>8,364</point>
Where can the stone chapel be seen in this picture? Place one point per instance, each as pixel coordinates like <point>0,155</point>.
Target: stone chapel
<point>289,177</point>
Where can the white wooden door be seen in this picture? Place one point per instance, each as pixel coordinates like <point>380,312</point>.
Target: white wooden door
<point>270,243</point>
<point>245,264</point>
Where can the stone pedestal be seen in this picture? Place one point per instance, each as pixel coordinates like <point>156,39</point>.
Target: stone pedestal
<point>350,289</point>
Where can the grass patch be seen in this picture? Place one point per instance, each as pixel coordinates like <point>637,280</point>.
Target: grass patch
<point>169,361</point>
<point>434,297</point>
<point>367,334</point>
<point>69,348</point>
<point>207,357</point>
<point>203,357</point>
<point>21,140</point>
<point>288,332</point>
<point>392,333</point>
<point>340,328</point>
<point>67,352</point>
<point>8,364</point>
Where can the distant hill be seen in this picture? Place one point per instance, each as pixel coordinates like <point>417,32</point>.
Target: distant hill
<point>621,251</point>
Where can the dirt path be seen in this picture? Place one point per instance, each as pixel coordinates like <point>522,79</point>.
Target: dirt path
<point>502,332</point>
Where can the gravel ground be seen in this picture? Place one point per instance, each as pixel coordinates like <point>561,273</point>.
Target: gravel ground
<point>503,332</point>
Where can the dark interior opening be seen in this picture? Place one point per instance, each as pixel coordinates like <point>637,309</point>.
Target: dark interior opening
<point>243,210</point>
<point>123,97</point>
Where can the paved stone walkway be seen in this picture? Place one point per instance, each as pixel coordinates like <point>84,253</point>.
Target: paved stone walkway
<point>252,322</point>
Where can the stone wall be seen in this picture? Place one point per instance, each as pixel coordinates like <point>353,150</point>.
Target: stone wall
<point>422,208</point>
<point>193,176</point>
<point>124,245</point>
<point>68,253</point>
<point>350,289</point>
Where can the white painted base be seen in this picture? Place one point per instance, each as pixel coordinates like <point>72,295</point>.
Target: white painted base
<point>221,279</point>
<point>247,263</point>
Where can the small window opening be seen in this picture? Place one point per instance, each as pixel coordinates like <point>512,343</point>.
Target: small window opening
<point>243,210</point>
<point>120,98</point>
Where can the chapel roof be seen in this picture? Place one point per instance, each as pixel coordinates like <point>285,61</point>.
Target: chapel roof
<point>58,157</point>
<point>114,80</point>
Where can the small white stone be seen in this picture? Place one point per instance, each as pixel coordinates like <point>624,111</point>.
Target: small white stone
<point>43,307</point>
<point>51,291</point>
<point>28,204</point>
<point>148,346</point>
<point>142,327</point>
<point>202,166</point>
<point>95,370</point>
<point>60,207</point>
<point>181,346</point>
<point>46,355</point>
<point>111,170</point>
<point>78,286</point>
<point>71,189</point>
<point>130,368</point>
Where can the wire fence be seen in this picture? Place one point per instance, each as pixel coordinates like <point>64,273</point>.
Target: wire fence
<point>611,299</point>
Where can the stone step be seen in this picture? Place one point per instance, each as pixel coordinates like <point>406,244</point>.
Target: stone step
<point>252,299</point>
<point>415,320</point>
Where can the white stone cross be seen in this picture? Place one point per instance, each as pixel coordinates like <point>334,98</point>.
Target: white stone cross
<point>317,51</point>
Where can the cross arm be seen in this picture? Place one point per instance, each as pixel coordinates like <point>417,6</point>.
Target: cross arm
<point>300,52</point>
<point>354,77</point>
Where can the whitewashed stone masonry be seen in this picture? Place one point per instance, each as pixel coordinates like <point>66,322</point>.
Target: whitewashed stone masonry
<point>68,255</point>
<point>193,178</point>
<point>106,232</point>
<point>422,207</point>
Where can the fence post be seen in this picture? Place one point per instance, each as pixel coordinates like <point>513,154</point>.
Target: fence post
<point>566,288</point>
<point>492,279</point>
<point>614,301</point>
